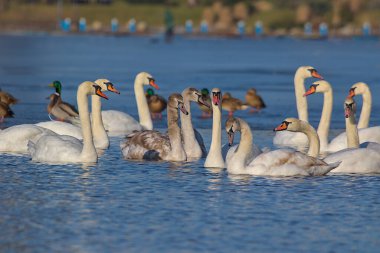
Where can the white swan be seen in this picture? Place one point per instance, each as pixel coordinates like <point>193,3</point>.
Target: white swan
<point>297,139</point>
<point>355,159</point>
<point>214,157</point>
<point>153,145</point>
<point>15,139</point>
<point>281,162</point>
<point>119,123</point>
<point>99,133</point>
<point>58,149</point>
<point>192,139</point>
<point>371,134</point>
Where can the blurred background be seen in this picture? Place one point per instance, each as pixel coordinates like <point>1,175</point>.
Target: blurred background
<point>224,17</point>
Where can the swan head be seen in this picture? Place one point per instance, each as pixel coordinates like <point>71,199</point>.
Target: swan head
<point>57,85</point>
<point>97,90</point>
<point>176,101</point>
<point>232,126</point>
<point>216,96</point>
<point>349,107</point>
<point>195,96</point>
<point>106,85</point>
<point>290,124</point>
<point>320,86</point>
<point>307,72</point>
<point>147,79</point>
<point>358,88</point>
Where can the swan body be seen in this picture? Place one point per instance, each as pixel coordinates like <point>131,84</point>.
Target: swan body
<point>297,139</point>
<point>355,159</point>
<point>15,139</point>
<point>192,140</point>
<point>214,157</point>
<point>153,145</point>
<point>282,162</point>
<point>62,128</point>
<point>371,134</point>
<point>59,149</point>
<point>118,123</point>
<point>100,136</point>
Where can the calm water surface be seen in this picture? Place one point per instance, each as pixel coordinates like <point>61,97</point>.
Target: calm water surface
<point>123,206</point>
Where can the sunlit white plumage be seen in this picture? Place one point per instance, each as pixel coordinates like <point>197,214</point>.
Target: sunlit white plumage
<point>66,149</point>
<point>282,162</point>
<point>296,139</point>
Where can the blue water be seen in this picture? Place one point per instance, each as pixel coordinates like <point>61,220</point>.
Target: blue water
<point>124,206</point>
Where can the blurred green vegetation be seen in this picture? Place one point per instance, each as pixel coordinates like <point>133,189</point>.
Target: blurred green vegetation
<point>274,14</point>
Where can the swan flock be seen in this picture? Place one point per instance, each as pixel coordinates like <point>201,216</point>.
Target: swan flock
<point>81,136</point>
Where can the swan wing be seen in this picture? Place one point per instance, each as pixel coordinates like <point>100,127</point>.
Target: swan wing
<point>291,139</point>
<point>119,123</point>
<point>147,144</point>
<point>16,138</point>
<point>62,128</point>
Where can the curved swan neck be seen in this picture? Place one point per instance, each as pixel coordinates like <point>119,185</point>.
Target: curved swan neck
<point>99,132</point>
<point>214,156</point>
<point>245,145</point>
<point>366,109</point>
<point>299,89</point>
<point>312,136</point>
<point>352,132</point>
<point>324,123</point>
<point>142,104</point>
<point>88,150</point>
<point>174,133</point>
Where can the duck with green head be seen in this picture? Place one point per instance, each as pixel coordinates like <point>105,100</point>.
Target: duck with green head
<point>206,111</point>
<point>57,107</point>
<point>157,104</point>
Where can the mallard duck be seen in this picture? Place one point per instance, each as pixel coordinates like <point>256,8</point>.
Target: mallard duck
<point>5,112</point>
<point>206,111</point>
<point>232,104</point>
<point>7,98</point>
<point>254,100</point>
<point>58,109</point>
<point>157,104</point>
<point>69,109</point>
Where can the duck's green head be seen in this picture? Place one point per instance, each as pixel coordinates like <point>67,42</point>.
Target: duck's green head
<point>205,92</point>
<point>57,85</point>
<point>150,92</point>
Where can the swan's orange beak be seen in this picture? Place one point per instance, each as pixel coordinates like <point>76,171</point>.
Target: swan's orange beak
<point>316,74</point>
<point>351,93</point>
<point>283,126</point>
<point>101,94</point>
<point>113,89</point>
<point>310,91</point>
<point>153,84</point>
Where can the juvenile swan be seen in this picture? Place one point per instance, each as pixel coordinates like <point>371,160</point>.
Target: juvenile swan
<point>281,162</point>
<point>153,145</point>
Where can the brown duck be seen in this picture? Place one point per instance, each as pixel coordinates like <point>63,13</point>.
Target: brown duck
<point>254,100</point>
<point>5,112</point>
<point>7,98</point>
<point>232,104</point>
<point>157,104</point>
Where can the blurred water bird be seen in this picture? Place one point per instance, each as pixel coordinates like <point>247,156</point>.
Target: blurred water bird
<point>5,112</point>
<point>60,109</point>
<point>153,145</point>
<point>206,111</point>
<point>157,104</point>
<point>7,98</point>
<point>232,104</point>
<point>254,100</point>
